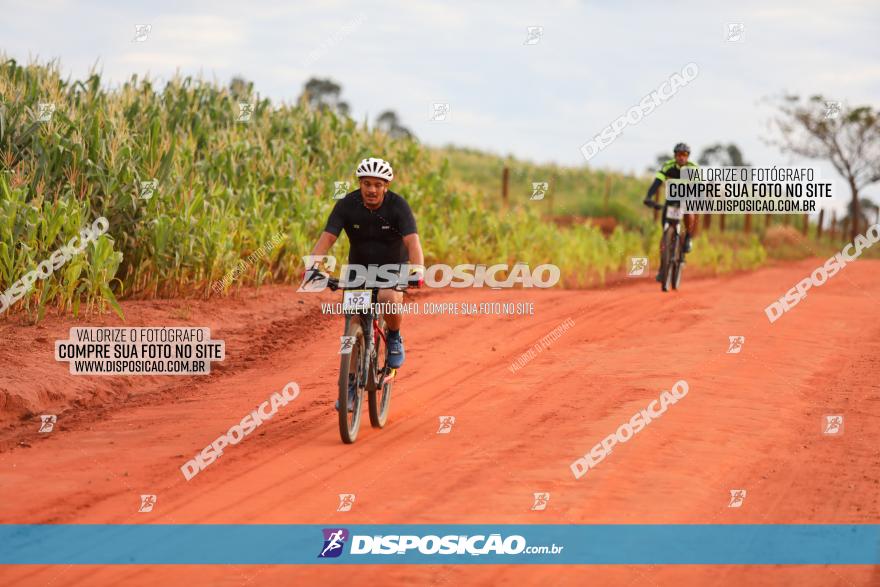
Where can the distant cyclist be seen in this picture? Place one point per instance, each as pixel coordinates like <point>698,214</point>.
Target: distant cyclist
<point>382,230</point>
<point>672,170</point>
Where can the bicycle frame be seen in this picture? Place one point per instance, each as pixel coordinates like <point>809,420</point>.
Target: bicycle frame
<point>671,222</point>
<point>374,332</point>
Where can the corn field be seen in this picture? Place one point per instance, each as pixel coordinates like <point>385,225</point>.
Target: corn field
<point>223,188</point>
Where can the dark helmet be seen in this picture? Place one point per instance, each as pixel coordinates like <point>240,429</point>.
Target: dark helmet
<point>682,147</point>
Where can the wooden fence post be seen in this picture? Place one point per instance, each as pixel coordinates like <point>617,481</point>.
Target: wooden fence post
<point>806,224</point>
<point>819,227</point>
<point>833,225</point>
<point>747,223</point>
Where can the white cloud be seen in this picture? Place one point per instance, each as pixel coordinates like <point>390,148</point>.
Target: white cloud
<point>539,101</point>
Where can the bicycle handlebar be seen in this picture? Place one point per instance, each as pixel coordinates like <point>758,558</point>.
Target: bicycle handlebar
<point>334,285</point>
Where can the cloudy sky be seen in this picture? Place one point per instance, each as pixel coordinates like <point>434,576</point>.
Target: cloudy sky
<point>538,101</point>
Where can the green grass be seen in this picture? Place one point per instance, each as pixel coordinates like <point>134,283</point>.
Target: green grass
<point>573,191</point>
<point>787,243</point>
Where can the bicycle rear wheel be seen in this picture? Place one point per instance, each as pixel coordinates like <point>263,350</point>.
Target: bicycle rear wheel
<point>352,375</point>
<point>379,390</point>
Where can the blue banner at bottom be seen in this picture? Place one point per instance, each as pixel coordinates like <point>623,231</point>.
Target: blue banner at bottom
<point>638,544</point>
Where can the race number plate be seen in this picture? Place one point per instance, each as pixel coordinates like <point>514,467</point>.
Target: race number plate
<point>673,212</point>
<point>356,299</point>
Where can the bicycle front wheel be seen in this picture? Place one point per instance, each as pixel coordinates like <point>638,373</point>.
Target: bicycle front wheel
<point>677,268</point>
<point>667,250</point>
<point>352,381</point>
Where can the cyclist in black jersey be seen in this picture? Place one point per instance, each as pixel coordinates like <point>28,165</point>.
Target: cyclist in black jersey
<point>382,230</point>
<point>672,170</point>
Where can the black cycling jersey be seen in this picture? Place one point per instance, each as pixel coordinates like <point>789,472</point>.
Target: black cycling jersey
<point>670,170</point>
<point>376,236</point>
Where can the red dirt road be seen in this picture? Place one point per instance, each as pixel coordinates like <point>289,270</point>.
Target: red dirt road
<point>750,421</point>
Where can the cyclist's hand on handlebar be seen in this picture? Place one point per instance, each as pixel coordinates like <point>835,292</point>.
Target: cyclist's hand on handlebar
<point>417,276</point>
<point>652,204</point>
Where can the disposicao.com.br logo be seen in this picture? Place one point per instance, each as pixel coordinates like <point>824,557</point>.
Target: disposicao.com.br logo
<point>439,275</point>
<point>431,544</point>
<point>334,542</point>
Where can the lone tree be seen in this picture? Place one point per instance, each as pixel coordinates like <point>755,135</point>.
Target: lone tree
<point>847,137</point>
<point>240,88</point>
<point>660,159</point>
<point>390,124</point>
<point>867,210</point>
<point>323,94</point>
<point>719,155</point>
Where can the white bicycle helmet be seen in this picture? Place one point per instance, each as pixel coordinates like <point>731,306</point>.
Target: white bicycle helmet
<point>375,167</point>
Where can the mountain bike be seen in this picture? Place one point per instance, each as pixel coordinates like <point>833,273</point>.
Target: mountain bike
<point>671,246</point>
<point>359,368</point>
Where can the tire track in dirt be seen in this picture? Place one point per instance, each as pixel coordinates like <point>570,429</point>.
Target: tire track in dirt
<point>750,420</point>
